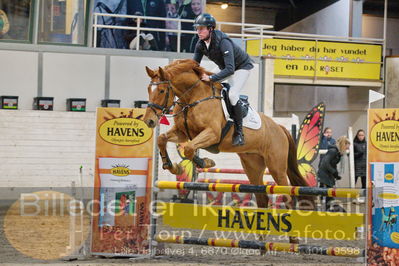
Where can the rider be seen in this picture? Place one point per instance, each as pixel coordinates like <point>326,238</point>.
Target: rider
<point>235,64</point>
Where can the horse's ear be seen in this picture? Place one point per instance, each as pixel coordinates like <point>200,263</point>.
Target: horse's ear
<point>162,74</point>
<point>150,72</point>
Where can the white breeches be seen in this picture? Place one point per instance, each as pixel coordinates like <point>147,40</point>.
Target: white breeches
<point>237,82</point>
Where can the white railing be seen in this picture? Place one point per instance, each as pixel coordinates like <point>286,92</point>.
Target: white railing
<point>248,32</point>
<point>178,31</point>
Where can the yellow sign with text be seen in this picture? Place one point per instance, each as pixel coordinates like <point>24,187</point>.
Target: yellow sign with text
<point>334,59</point>
<point>125,131</point>
<point>296,223</point>
<point>385,135</point>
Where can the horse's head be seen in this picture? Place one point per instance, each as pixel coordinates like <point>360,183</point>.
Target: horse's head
<point>160,94</point>
<point>180,78</point>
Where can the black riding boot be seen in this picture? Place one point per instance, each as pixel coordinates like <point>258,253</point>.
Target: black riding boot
<point>238,136</point>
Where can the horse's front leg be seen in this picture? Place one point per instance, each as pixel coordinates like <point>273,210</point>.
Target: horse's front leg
<point>173,135</point>
<point>204,139</point>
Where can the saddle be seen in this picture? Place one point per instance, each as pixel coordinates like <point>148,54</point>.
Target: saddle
<point>229,107</point>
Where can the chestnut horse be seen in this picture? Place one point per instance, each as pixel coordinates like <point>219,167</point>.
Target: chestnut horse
<point>199,117</point>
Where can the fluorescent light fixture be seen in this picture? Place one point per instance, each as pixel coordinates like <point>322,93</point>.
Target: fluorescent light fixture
<point>224,6</point>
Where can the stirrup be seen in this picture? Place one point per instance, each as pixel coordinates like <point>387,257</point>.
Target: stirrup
<point>238,140</point>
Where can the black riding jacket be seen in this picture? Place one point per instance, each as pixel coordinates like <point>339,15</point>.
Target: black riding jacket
<point>223,52</point>
<point>328,172</point>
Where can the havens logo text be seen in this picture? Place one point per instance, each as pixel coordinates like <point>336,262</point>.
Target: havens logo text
<point>385,136</point>
<point>125,131</point>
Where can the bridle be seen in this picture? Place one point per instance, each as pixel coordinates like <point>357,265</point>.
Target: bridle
<point>164,107</point>
<point>185,106</point>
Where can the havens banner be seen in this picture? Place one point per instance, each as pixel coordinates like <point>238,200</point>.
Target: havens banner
<point>334,59</point>
<point>383,178</point>
<point>296,223</point>
<point>122,184</point>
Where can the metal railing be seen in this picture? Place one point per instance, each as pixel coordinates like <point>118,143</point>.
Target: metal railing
<point>178,31</point>
<point>255,31</point>
<point>248,32</point>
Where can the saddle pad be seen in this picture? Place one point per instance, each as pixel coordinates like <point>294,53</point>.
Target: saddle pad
<point>252,120</point>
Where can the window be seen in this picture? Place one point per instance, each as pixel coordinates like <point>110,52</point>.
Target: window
<point>63,21</point>
<point>16,19</point>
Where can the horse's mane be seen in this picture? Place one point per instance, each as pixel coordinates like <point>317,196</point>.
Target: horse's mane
<point>185,65</point>
<point>189,65</point>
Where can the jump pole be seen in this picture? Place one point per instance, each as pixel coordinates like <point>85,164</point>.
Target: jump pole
<point>274,198</point>
<point>266,246</point>
<point>285,190</point>
<point>225,171</point>
<point>229,181</point>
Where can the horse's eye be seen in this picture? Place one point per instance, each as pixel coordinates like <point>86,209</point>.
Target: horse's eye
<point>161,91</point>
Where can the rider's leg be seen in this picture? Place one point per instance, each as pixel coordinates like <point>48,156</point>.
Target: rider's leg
<point>237,82</point>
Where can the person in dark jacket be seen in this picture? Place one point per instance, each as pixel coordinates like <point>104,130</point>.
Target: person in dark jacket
<point>185,12</point>
<point>151,8</point>
<point>235,64</point>
<point>360,154</point>
<point>326,141</point>
<point>196,7</point>
<point>146,39</point>
<point>328,173</point>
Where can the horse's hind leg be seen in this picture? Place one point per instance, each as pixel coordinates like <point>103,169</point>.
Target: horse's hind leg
<point>254,166</point>
<point>278,169</point>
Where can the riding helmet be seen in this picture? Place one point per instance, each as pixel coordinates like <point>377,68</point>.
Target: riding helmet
<point>205,19</point>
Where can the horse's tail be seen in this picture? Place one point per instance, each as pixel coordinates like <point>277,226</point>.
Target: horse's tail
<point>293,173</point>
<point>295,176</point>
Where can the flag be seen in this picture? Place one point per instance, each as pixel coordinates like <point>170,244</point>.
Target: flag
<point>375,96</point>
<point>164,121</point>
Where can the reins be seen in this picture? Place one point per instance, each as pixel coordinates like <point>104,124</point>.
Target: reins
<point>185,106</point>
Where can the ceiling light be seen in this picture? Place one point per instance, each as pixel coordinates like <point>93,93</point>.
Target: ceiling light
<point>224,6</point>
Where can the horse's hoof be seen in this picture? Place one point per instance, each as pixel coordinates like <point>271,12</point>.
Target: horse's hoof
<point>294,240</point>
<point>189,152</point>
<point>208,163</point>
<point>167,165</point>
<point>176,169</point>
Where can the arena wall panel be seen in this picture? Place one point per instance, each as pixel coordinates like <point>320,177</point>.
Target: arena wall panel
<point>74,76</point>
<point>128,78</point>
<point>19,75</point>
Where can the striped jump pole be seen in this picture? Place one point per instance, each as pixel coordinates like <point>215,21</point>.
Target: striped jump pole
<point>267,246</point>
<point>272,189</point>
<point>225,171</point>
<point>229,181</point>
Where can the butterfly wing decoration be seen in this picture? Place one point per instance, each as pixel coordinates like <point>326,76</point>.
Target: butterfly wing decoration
<point>214,199</point>
<point>188,171</point>
<point>238,201</point>
<point>308,142</point>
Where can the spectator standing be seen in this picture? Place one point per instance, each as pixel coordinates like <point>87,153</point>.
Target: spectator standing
<point>196,7</point>
<point>326,141</point>
<point>328,173</point>
<point>171,37</point>
<point>360,154</point>
<point>185,12</point>
<point>151,8</point>
<point>147,40</point>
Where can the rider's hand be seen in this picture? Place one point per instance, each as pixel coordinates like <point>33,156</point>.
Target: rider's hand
<point>205,77</point>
